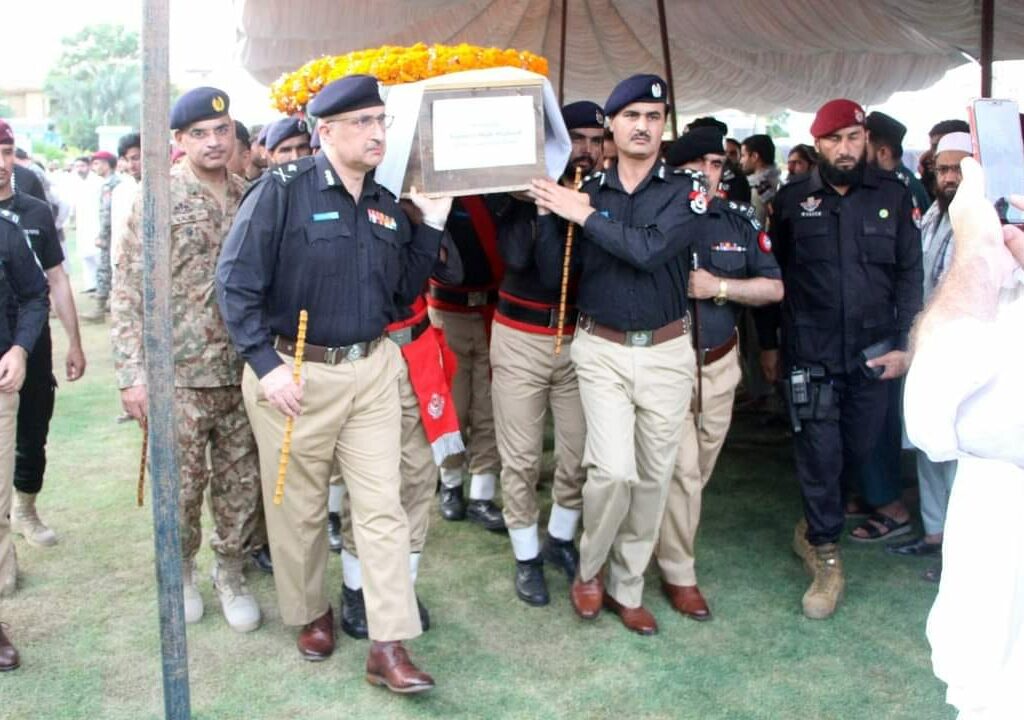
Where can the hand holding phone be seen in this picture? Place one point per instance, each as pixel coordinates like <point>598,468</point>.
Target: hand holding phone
<point>999,148</point>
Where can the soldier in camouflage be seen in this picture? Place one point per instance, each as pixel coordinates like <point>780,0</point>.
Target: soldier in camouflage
<point>209,414</point>
<point>104,164</point>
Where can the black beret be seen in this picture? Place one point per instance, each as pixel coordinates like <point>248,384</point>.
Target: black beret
<point>583,114</point>
<point>242,133</point>
<point>636,88</point>
<point>695,144</point>
<point>885,127</point>
<point>280,130</point>
<point>201,103</point>
<point>708,121</point>
<point>261,137</point>
<point>352,92</point>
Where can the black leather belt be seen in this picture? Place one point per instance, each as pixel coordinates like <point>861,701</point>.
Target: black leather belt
<point>327,355</point>
<point>404,336</point>
<point>466,298</point>
<point>535,316</point>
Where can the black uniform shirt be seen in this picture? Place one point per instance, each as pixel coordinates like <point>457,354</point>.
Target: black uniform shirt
<point>517,240</point>
<point>476,268</point>
<point>730,244</point>
<point>633,255</point>
<point>36,220</point>
<point>300,241</point>
<point>26,181</point>
<point>24,293</point>
<point>851,265</point>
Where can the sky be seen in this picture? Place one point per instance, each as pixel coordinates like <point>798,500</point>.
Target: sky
<point>202,52</point>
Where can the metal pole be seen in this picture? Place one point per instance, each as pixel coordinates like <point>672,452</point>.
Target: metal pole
<point>561,53</point>
<point>666,56</point>
<point>157,342</point>
<point>987,45</point>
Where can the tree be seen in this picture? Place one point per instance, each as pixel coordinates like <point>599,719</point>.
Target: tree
<point>96,81</point>
<point>777,125</point>
<point>5,109</point>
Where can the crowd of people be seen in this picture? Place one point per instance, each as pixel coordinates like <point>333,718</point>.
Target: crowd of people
<point>433,345</point>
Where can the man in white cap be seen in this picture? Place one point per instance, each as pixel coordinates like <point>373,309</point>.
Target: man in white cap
<point>935,479</point>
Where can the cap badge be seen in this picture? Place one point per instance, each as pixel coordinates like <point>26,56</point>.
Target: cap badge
<point>599,116</point>
<point>656,90</point>
<point>858,115</point>
<point>218,103</point>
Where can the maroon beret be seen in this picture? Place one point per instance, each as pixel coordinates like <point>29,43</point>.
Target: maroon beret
<point>6,134</point>
<point>104,155</point>
<point>836,115</point>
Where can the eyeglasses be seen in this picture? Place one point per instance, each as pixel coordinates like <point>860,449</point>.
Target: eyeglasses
<point>220,131</point>
<point>947,170</point>
<point>365,122</point>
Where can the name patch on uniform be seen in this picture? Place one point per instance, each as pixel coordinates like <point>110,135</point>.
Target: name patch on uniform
<point>729,247</point>
<point>376,217</point>
<point>325,216</point>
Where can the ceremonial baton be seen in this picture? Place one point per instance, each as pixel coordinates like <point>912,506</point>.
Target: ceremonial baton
<point>700,352</point>
<point>566,261</point>
<point>142,463</point>
<point>289,423</point>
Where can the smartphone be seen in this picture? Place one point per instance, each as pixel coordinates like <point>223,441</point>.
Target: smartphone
<point>999,147</point>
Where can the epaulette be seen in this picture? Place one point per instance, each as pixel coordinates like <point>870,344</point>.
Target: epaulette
<point>10,217</point>
<point>902,177</point>
<point>598,176</point>
<point>287,172</point>
<point>745,211</point>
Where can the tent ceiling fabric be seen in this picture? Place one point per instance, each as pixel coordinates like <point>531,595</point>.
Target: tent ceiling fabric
<point>746,54</point>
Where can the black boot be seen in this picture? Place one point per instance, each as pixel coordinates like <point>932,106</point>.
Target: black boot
<point>334,532</point>
<point>424,615</point>
<point>260,557</point>
<point>531,587</point>
<point>562,554</point>
<point>486,514</point>
<point>353,613</point>
<point>453,507</point>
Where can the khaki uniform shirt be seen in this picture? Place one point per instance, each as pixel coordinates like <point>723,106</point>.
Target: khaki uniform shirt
<point>203,353</point>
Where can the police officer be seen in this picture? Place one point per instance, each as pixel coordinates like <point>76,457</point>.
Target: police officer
<point>322,235</point>
<point>733,184</point>
<point>23,311</point>
<point>288,140</point>
<point>850,255</point>
<point>37,394</point>
<point>104,165</point>
<point>734,267</point>
<point>464,312</point>
<point>209,415</point>
<point>634,361</point>
<point>528,378</point>
<point>885,150</point>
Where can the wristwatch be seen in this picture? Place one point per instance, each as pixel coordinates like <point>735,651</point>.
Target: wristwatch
<point>723,293</point>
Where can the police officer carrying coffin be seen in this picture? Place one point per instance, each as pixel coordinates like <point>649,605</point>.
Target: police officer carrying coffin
<point>23,310</point>
<point>288,140</point>
<point>734,267</point>
<point>634,361</point>
<point>850,255</point>
<point>37,394</point>
<point>528,378</point>
<point>320,234</point>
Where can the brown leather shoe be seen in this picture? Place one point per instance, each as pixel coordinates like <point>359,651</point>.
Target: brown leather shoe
<point>389,665</point>
<point>638,619</point>
<point>687,600</point>
<point>316,641</point>
<point>9,659</point>
<point>586,596</point>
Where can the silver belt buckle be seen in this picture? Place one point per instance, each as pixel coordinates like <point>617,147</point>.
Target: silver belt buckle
<point>476,298</point>
<point>331,356</point>
<point>402,336</point>
<point>640,338</point>
<point>354,352</point>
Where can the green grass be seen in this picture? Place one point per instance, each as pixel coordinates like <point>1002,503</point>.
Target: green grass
<point>85,616</point>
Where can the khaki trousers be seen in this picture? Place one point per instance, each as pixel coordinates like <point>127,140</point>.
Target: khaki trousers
<point>350,415</point>
<point>466,335</point>
<point>214,420</point>
<point>695,462</point>
<point>418,469</point>
<point>528,378</point>
<point>8,427</point>
<point>634,400</point>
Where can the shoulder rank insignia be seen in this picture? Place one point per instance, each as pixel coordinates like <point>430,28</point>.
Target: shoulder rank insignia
<point>746,212</point>
<point>10,216</point>
<point>376,217</point>
<point>287,172</point>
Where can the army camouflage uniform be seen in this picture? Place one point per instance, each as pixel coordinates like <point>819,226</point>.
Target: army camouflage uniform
<point>207,370</point>
<point>104,270</point>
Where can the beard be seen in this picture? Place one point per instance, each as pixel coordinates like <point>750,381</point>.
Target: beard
<point>837,177</point>
<point>945,196</point>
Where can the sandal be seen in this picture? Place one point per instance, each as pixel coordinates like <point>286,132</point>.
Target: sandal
<point>880,527</point>
<point>856,509</point>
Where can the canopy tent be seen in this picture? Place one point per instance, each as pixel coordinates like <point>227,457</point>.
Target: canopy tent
<point>755,56</point>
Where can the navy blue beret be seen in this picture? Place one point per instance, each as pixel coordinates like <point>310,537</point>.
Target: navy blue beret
<point>201,103</point>
<point>353,92</point>
<point>636,88</point>
<point>314,139</point>
<point>695,144</point>
<point>583,114</point>
<point>261,137</point>
<point>242,133</point>
<point>281,130</point>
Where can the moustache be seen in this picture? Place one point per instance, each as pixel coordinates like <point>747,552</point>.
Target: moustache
<point>640,136</point>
